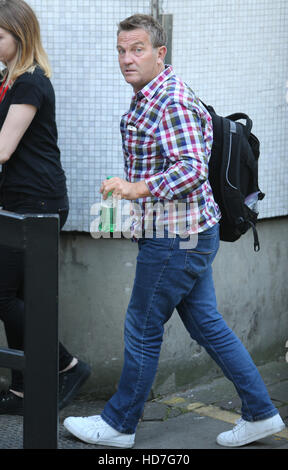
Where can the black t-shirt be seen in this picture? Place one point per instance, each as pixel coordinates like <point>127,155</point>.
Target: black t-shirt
<point>34,168</point>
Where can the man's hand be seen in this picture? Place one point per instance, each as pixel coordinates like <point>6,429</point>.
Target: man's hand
<point>123,189</point>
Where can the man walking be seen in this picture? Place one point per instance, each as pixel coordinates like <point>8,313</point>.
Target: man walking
<point>167,137</point>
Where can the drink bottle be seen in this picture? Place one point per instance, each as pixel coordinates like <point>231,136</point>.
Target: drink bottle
<point>107,213</point>
<point>252,201</point>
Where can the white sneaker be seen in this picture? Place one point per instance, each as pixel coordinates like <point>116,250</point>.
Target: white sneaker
<point>94,430</point>
<point>248,431</point>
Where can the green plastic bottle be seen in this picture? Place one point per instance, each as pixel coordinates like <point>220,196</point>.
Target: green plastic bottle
<point>107,213</point>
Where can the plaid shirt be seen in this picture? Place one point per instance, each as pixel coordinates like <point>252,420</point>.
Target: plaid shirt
<point>167,138</point>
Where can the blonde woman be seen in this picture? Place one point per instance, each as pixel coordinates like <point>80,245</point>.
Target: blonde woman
<point>33,180</point>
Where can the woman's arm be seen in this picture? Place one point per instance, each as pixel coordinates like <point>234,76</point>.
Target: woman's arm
<point>17,121</point>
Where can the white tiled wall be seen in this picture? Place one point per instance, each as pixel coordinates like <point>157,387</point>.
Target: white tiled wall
<point>233,53</point>
<point>91,95</point>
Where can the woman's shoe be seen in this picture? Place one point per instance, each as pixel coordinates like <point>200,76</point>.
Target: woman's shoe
<point>10,404</point>
<point>71,381</point>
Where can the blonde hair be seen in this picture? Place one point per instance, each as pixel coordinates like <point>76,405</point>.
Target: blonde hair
<point>18,18</point>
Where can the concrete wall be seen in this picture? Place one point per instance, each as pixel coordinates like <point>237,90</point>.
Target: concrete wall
<point>96,283</point>
<point>96,278</point>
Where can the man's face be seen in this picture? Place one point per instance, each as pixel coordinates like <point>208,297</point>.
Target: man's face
<point>139,61</point>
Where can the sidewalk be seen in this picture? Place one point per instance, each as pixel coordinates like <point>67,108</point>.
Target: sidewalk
<point>186,420</point>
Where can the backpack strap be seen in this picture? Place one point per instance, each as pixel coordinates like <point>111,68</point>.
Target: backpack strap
<point>209,108</point>
<point>255,234</point>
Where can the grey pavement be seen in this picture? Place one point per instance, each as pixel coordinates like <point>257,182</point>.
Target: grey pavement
<point>190,419</point>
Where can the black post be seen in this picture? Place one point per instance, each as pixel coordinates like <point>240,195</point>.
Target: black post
<point>41,236</point>
<point>38,237</point>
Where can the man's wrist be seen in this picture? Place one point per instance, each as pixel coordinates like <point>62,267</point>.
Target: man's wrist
<point>141,190</point>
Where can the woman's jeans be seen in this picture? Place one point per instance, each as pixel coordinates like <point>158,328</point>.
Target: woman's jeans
<point>169,276</point>
<point>12,277</point>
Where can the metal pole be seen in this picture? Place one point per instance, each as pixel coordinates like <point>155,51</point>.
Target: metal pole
<point>41,239</point>
<point>155,8</point>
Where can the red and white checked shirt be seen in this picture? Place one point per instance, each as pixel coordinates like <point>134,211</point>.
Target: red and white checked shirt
<point>167,138</point>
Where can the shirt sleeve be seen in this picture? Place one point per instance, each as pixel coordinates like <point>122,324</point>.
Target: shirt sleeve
<point>182,142</point>
<point>27,92</point>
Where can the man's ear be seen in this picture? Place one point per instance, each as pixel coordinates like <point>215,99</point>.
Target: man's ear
<point>162,51</point>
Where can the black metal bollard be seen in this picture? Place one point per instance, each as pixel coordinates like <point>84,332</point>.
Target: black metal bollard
<point>38,237</point>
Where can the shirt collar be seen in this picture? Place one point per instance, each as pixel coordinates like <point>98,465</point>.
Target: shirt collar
<point>150,89</point>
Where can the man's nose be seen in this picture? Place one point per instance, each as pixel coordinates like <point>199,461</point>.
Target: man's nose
<point>127,58</point>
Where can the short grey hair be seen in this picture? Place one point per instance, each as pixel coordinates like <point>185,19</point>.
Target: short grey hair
<point>155,30</point>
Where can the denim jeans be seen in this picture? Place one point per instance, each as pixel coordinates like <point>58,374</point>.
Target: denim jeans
<point>12,277</point>
<point>168,277</point>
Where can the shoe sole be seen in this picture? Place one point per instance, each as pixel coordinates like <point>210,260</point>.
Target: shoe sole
<point>77,434</point>
<point>253,439</point>
<point>73,392</point>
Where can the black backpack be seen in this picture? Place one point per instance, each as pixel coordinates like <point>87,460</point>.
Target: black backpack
<point>233,175</point>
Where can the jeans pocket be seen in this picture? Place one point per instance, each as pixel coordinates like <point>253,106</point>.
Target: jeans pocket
<point>198,259</point>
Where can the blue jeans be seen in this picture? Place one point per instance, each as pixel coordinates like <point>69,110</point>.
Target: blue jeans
<point>169,277</point>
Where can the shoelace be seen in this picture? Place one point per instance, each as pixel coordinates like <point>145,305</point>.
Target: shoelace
<point>97,419</point>
<point>239,423</point>
<point>90,422</point>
